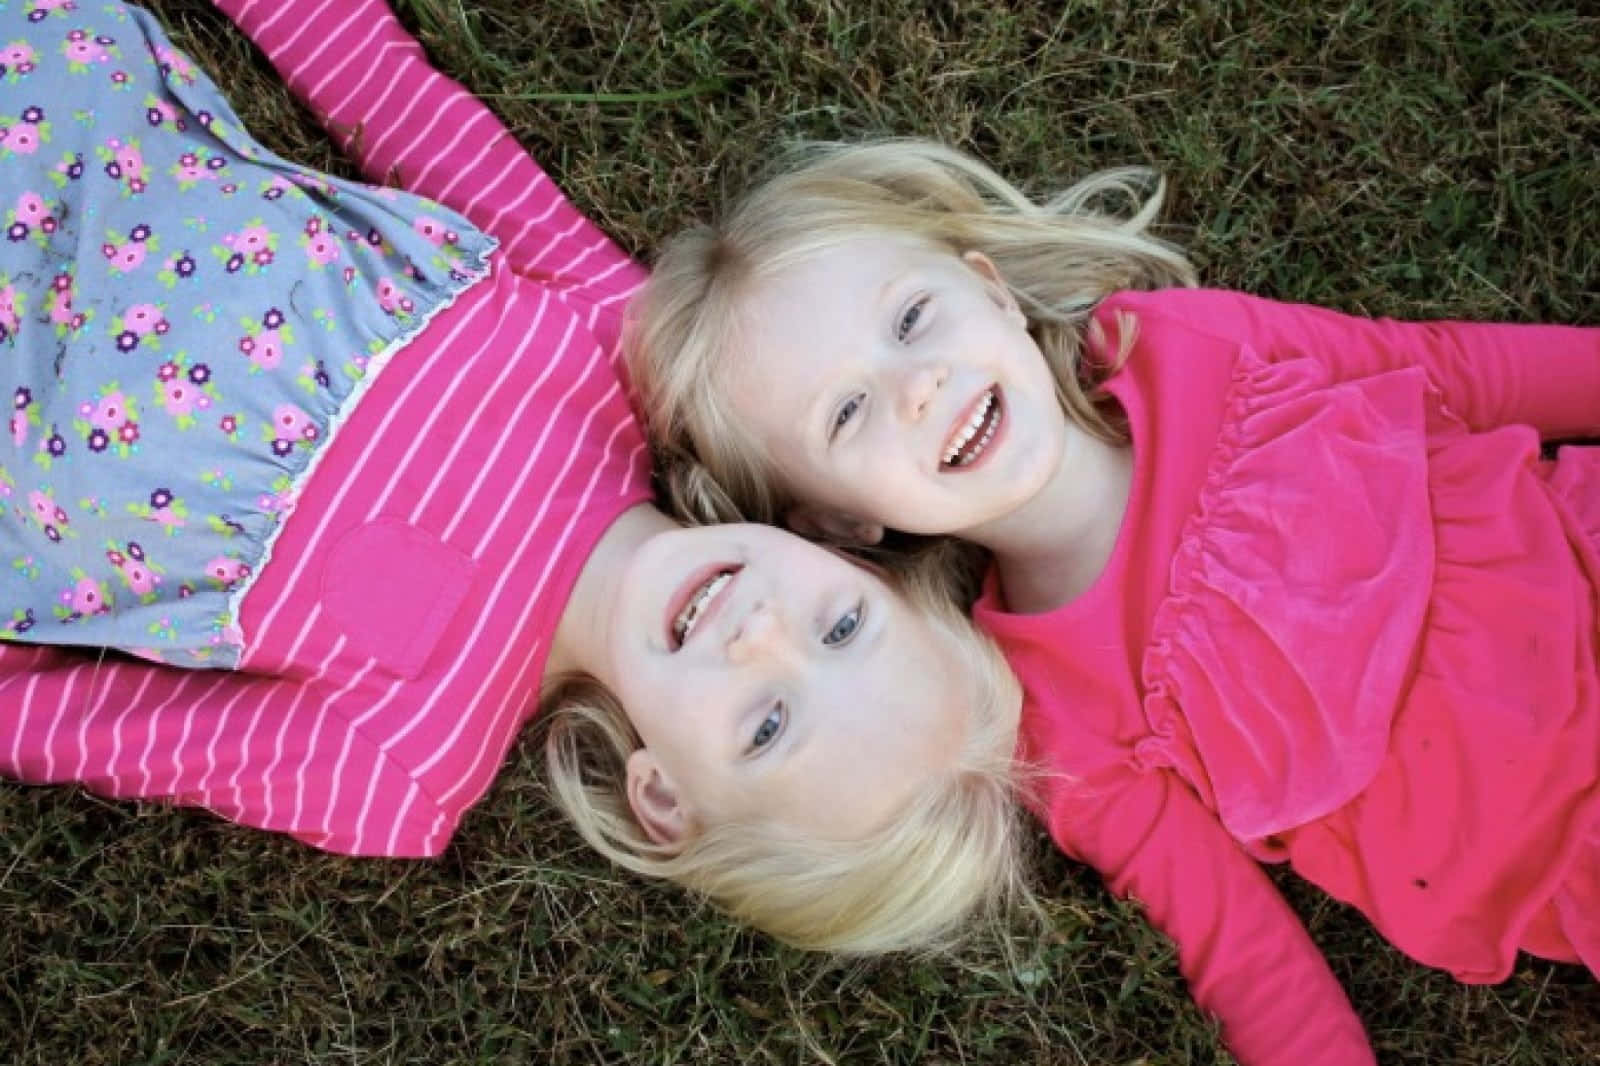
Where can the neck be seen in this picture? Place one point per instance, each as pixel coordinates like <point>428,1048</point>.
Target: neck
<point>583,634</point>
<point>1050,550</point>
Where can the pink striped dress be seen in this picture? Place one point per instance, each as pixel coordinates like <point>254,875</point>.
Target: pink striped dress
<point>396,640</point>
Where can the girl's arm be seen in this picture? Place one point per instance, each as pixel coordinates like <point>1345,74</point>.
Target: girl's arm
<point>1490,374</point>
<point>281,754</point>
<point>1247,958</point>
<point>371,85</point>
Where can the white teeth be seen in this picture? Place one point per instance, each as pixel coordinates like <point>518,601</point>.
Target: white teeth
<point>979,413</point>
<point>684,624</point>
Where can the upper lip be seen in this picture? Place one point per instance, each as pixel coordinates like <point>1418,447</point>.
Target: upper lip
<point>685,592</point>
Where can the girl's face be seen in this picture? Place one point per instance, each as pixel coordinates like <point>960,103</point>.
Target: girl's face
<point>772,680</point>
<point>896,383</point>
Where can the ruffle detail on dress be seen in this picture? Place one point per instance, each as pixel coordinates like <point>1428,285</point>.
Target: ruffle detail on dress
<point>1312,530</point>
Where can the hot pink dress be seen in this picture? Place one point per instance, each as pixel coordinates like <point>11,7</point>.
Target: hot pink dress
<point>397,638</point>
<point>1349,623</point>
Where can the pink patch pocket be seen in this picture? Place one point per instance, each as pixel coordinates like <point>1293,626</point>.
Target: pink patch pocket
<point>394,589</point>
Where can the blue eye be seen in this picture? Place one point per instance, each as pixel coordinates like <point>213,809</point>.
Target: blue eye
<point>768,729</point>
<point>909,319</point>
<point>846,627</point>
<point>844,414</point>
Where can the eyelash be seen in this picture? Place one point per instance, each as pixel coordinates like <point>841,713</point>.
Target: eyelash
<point>756,742</point>
<point>844,414</point>
<point>909,318</point>
<point>858,613</point>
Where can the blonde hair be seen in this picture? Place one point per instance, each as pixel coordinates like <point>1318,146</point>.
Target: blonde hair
<point>1059,259</point>
<point>953,853</point>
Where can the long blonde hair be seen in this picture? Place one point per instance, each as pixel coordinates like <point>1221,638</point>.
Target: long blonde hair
<point>951,858</point>
<point>1059,258</point>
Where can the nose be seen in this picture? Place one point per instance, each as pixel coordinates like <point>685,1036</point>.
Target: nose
<point>918,386</point>
<point>760,635</point>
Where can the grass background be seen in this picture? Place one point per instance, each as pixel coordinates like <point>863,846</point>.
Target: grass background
<point>1420,159</point>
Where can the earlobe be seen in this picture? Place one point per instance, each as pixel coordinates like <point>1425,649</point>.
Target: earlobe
<point>655,801</point>
<point>832,527</point>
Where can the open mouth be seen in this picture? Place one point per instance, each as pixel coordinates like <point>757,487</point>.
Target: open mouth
<point>695,601</point>
<point>969,440</point>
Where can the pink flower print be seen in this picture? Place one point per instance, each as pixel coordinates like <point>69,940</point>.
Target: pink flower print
<point>10,311</point>
<point>31,208</point>
<point>158,111</point>
<point>110,414</point>
<point>19,428</point>
<point>292,424</point>
<point>123,257</point>
<point>322,249</point>
<point>143,319</point>
<point>124,162</point>
<point>81,51</point>
<point>86,597</point>
<point>265,349</point>
<point>251,239</point>
<point>23,138</point>
<point>59,302</point>
<point>430,230</point>
<point>16,55</point>
<point>138,574</point>
<point>389,296</point>
<point>177,397</point>
<point>176,64</point>
<point>227,572</point>
<point>191,168</point>
<point>49,515</point>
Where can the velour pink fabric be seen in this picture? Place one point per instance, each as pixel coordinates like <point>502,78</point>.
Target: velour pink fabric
<point>1349,622</point>
<point>396,639</point>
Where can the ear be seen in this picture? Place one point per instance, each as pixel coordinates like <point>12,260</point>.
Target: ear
<point>834,527</point>
<point>993,283</point>
<point>655,801</point>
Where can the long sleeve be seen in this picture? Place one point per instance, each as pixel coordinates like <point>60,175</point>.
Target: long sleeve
<point>370,83</point>
<point>1490,374</point>
<point>262,751</point>
<point>1245,955</point>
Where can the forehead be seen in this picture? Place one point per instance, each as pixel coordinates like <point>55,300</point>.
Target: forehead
<point>808,322</point>
<point>836,271</point>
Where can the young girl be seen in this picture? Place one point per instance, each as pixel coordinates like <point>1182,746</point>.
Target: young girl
<point>1281,584</point>
<point>381,461</point>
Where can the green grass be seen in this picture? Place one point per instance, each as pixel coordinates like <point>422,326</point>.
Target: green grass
<point>1426,158</point>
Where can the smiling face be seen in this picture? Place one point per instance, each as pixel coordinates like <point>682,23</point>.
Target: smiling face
<point>770,679</point>
<point>896,382</point>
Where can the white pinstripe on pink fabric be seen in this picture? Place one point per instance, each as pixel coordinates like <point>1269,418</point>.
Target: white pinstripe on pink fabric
<point>147,768</point>
<point>521,688</point>
<point>360,51</point>
<point>494,597</point>
<point>79,771</point>
<point>270,771</point>
<point>531,223</point>
<point>490,394</point>
<point>388,742</point>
